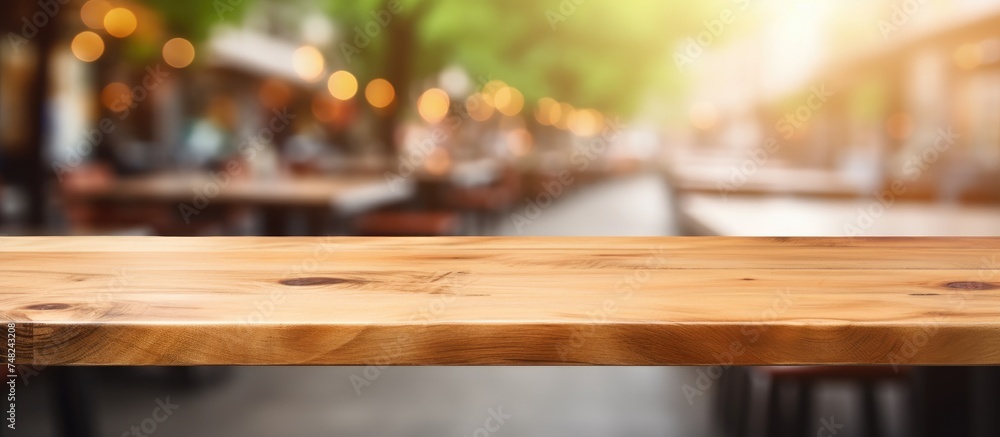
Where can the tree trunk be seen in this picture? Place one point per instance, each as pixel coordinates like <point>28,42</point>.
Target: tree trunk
<point>398,67</point>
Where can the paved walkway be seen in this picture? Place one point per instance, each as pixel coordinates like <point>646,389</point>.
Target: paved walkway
<point>630,206</point>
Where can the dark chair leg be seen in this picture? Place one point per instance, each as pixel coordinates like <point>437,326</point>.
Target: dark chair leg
<point>870,405</point>
<point>74,402</point>
<point>985,401</point>
<point>804,425</point>
<point>725,402</point>
<point>774,427</point>
<point>740,403</point>
<point>916,424</point>
<point>946,401</point>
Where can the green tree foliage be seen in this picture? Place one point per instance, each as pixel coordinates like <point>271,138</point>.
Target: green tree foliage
<point>605,54</point>
<point>194,19</point>
<point>592,53</point>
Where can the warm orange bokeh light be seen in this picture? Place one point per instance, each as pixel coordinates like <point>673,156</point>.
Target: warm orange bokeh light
<point>490,89</point>
<point>87,46</point>
<point>519,142</point>
<point>178,52</point>
<point>477,107</point>
<point>508,100</point>
<point>92,13</point>
<point>308,63</point>
<point>380,93</point>
<point>565,114</point>
<point>548,111</point>
<point>438,162</point>
<point>342,85</point>
<point>116,96</point>
<point>585,122</point>
<point>433,105</point>
<point>120,22</point>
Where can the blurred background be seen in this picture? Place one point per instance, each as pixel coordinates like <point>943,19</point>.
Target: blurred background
<point>554,117</point>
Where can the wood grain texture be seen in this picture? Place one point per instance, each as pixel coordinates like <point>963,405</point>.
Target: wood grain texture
<point>486,300</point>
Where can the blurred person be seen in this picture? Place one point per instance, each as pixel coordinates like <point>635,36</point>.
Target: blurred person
<point>211,136</point>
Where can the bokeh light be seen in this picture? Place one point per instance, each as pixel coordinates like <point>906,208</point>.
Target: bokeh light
<point>519,142</point>
<point>490,89</point>
<point>438,162</point>
<point>92,13</point>
<point>87,46</point>
<point>120,22</point>
<point>342,85</point>
<point>565,114</point>
<point>478,108</point>
<point>433,105</point>
<point>116,96</point>
<point>548,111</point>
<point>585,122</point>
<point>317,29</point>
<point>455,81</point>
<point>308,63</point>
<point>178,52</point>
<point>379,93</point>
<point>508,100</point>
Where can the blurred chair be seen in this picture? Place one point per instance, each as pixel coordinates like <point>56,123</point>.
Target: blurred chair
<point>484,204</point>
<point>778,416</point>
<point>407,223</point>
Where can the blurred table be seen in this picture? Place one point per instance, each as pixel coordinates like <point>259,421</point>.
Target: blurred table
<point>734,179</point>
<point>467,173</point>
<point>802,216</point>
<point>341,194</point>
<point>338,191</point>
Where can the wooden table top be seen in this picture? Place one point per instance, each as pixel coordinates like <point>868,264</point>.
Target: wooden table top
<point>320,190</point>
<point>497,300</point>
